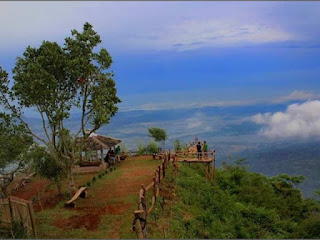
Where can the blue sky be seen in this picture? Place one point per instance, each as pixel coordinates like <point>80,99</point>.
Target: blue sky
<point>182,54</point>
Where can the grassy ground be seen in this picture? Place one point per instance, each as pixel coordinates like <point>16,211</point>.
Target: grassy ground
<point>108,210</point>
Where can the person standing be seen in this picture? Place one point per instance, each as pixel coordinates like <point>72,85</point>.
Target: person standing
<point>118,153</point>
<point>205,149</point>
<point>112,157</point>
<point>199,151</point>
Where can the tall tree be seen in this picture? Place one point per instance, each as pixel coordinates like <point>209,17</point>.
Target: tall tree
<point>53,80</point>
<point>158,134</point>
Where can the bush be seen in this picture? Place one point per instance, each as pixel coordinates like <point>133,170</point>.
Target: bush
<point>100,176</point>
<point>141,149</point>
<point>177,145</point>
<point>94,179</point>
<point>106,171</point>
<point>152,147</point>
<point>88,184</point>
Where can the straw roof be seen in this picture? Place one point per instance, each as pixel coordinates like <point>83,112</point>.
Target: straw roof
<point>99,142</point>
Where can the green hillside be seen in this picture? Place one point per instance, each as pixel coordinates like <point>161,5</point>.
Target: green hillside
<point>236,204</point>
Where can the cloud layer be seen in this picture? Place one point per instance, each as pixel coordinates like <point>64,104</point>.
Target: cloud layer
<point>196,33</point>
<point>161,25</point>
<point>299,120</point>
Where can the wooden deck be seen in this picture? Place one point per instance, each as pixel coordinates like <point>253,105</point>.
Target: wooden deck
<point>195,160</point>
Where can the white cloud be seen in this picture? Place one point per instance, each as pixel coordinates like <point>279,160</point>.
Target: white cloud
<point>299,120</point>
<point>196,33</point>
<point>198,121</point>
<point>295,95</point>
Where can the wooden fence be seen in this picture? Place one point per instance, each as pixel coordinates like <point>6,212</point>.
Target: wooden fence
<point>140,215</point>
<point>17,210</point>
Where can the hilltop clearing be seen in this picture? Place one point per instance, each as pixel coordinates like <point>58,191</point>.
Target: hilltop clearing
<point>106,213</point>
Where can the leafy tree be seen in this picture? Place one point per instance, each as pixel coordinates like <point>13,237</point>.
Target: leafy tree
<point>158,134</point>
<point>47,168</point>
<point>16,146</point>
<point>53,80</point>
<point>177,145</point>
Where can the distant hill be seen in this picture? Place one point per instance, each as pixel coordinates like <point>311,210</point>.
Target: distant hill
<point>298,158</point>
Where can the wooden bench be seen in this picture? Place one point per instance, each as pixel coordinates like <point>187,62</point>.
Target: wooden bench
<point>82,192</point>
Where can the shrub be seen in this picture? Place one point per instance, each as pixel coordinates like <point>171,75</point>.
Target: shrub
<point>94,179</point>
<point>88,184</point>
<point>141,149</point>
<point>152,147</point>
<point>177,145</point>
<point>106,171</point>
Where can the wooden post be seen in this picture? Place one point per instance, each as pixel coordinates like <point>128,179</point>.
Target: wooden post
<point>156,175</point>
<point>154,186</point>
<point>11,211</point>
<point>32,219</point>
<point>137,224</point>
<point>163,169</point>
<point>159,173</point>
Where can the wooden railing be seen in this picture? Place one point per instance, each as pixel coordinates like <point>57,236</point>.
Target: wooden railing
<point>140,215</point>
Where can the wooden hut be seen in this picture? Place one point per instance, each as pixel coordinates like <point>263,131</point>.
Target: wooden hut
<point>95,144</point>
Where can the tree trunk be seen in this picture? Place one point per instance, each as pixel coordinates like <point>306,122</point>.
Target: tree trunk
<point>71,181</point>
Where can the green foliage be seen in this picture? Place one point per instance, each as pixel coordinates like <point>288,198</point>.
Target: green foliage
<point>45,167</point>
<point>158,134</point>
<point>152,147</point>
<point>308,228</point>
<point>178,145</point>
<point>241,204</point>
<point>106,171</point>
<point>94,179</point>
<point>88,184</point>
<point>142,150</point>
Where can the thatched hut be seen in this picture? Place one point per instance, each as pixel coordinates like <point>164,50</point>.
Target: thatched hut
<point>96,142</point>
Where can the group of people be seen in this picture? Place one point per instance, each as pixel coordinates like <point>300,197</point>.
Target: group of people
<point>113,156</point>
<point>202,148</point>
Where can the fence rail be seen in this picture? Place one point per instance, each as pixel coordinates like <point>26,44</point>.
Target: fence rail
<point>18,210</point>
<point>140,215</point>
